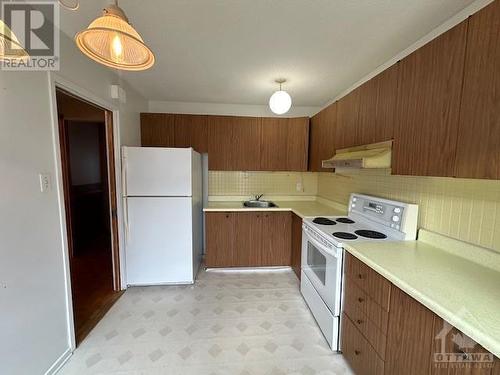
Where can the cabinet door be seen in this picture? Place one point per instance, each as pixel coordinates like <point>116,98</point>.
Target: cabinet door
<point>274,147</point>
<point>297,143</point>
<point>296,244</point>
<point>478,152</point>
<point>377,106</point>
<point>322,137</point>
<point>276,239</point>
<point>248,239</point>
<point>219,237</point>
<point>220,143</point>
<point>347,120</point>
<point>410,336</point>
<point>246,144</point>
<point>157,130</point>
<point>449,340</point>
<point>191,131</point>
<point>430,84</point>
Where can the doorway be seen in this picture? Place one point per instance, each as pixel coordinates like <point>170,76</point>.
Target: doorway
<point>88,170</point>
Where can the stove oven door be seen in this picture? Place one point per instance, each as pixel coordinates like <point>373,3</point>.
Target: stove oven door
<point>323,268</point>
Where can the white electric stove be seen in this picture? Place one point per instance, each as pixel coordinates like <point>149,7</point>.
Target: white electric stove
<point>323,240</point>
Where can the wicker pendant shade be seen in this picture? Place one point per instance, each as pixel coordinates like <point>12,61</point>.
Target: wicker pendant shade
<point>112,41</point>
<point>10,48</point>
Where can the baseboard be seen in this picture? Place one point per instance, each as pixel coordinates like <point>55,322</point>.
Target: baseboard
<point>59,363</point>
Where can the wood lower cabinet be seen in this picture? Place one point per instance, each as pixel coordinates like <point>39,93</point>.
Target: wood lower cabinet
<point>250,239</point>
<point>407,338</point>
<point>296,260</point>
<point>220,239</point>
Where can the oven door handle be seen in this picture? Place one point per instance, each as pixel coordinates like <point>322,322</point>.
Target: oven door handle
<point>320,246</point>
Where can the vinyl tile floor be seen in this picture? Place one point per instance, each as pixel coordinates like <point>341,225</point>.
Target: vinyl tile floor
<point>241,323</point>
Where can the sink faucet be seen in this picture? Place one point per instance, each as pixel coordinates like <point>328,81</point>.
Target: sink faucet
<point>258,196</point>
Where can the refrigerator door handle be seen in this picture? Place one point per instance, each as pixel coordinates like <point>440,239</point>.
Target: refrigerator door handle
<point>127,222</point>
<point>124,171</point>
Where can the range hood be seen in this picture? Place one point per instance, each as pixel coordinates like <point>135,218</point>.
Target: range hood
<point>372,156</point>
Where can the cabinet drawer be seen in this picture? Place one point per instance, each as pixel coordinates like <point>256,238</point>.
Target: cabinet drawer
<point>358,352</point>
<point>367,316</point>
<point>375,286</point>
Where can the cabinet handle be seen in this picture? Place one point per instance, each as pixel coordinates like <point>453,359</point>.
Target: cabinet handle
<point>227,216</point>
<point>361,276</point>
<point>357,352</point>
<point>359,321</point>
<point>361,300</point>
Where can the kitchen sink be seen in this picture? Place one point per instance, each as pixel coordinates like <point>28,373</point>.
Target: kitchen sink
<point>259,204</point>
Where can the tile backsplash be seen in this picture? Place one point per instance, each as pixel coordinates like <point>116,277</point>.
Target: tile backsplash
<point>465,209</point>
<point>268,183</point>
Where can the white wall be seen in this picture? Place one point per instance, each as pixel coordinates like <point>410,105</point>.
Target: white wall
<point>34,321</point>
<point>226,109</point>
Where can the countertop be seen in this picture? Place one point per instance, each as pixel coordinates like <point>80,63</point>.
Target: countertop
<point>302,208</point>
<point>464,292</point>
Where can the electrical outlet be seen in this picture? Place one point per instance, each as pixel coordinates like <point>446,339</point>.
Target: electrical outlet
<point>44,182</point>
<point>299,186</point>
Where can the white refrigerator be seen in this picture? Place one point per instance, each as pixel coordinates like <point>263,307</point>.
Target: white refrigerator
<point>163,204</point>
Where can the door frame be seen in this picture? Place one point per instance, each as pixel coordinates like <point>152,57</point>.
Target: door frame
<point>112,122</point>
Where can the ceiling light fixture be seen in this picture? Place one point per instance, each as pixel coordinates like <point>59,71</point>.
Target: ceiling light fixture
<point>10,48</point>
<point>112,41</point>
<point>280,102</point>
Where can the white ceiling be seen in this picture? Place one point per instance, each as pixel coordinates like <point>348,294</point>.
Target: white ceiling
<point>230,51</point>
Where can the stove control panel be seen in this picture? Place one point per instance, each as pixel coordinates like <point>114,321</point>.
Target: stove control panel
<point>400,217</point>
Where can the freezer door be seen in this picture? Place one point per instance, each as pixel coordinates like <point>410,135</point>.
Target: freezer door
<point>155,171</point>
<point>159,247</point>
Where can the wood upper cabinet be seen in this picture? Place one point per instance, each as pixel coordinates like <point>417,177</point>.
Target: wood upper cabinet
<point>219,236</point>
<point>276,239</point>
<point>220,143</point>
<point>297,143</point>
<point>377,107</point>
<point>478,152</point>
<point>157,129</point>
<point>245,155</point>
<point>409,337</point>
<point>191,131</point>
<point>430,85</point>
<point>274,146</point>
<point>347,120</point>
<point>322,137</point>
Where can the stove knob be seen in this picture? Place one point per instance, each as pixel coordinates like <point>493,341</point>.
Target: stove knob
<point>395,218</point>
<point>397,210</point>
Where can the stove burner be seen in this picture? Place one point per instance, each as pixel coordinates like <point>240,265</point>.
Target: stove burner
<point>370,234</point>
<point>345,220</point>
<point>324,221</point>
<point>345,235</point>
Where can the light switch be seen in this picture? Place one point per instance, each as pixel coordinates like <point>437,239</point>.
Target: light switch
<point>44,182</point>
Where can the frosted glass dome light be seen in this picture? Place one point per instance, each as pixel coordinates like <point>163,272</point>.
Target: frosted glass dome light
<point>280,102</point>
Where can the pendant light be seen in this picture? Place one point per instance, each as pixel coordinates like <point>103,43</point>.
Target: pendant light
<point>280,102</point>
<point>10,48</point>
<point>112,41</point>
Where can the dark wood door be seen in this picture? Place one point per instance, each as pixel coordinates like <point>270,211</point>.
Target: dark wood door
<point>347,120</point>
<point>247,132</point>
<point>220,143</point>
<point>219,236</point>
<point>191,131</point>
<point>410,336</point>
<point>157,129</point>
<point>377,107</point>
<point>248,239</point>
<point>296,244</point>
<point>322,137</point>
<point>274,147</point>
<point>276,239</point>
<point>430,85</point>
<point>297,143</point>
<point>478,152</point>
